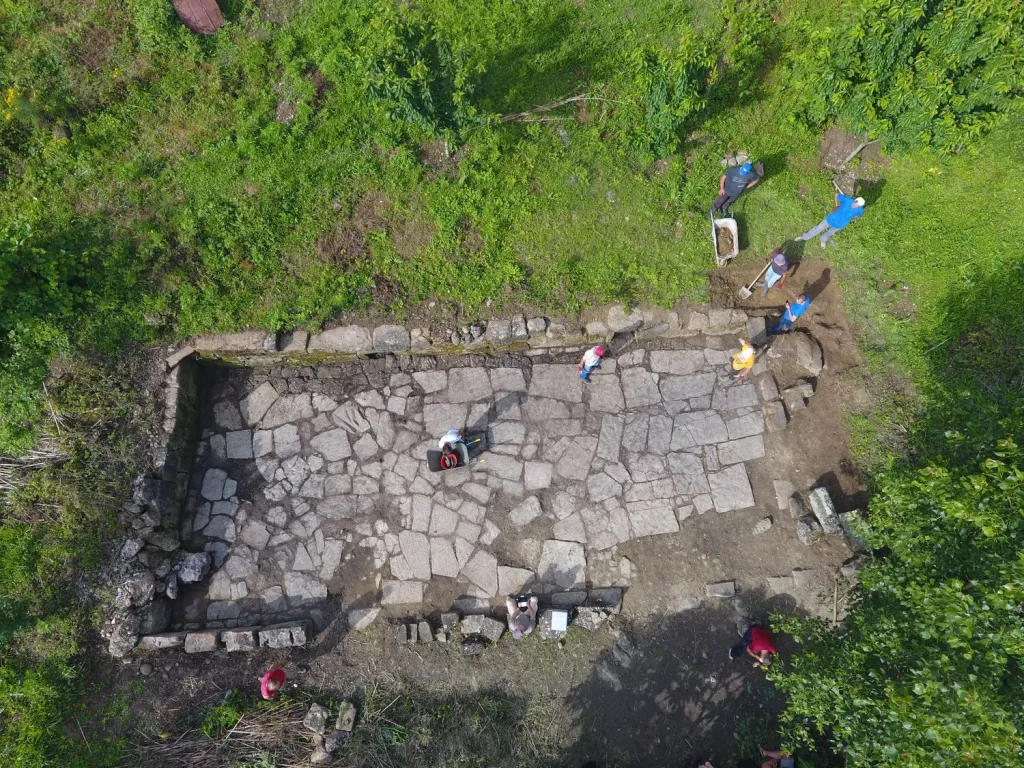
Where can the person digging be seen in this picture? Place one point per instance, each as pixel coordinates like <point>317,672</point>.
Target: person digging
<point>447,444</point>
<point>757,643</point>
<point>734,182</point>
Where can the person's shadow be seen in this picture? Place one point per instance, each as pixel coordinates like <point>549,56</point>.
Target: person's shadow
<point>813,290</point>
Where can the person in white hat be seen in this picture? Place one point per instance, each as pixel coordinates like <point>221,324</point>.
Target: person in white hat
<point>847,209</point>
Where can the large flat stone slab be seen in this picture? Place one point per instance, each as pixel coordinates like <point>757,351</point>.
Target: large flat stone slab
<point>401,593</point>
<point>640,388</point>
<point>562,564</point>
<point>678,362</point>
<point>730,489</point>
<point>353,339</point>
<point>416,549</point>
<point>467,385</point>
<point>575,462</point>
<point>557,382</point>
<point>744,449</point>
<point>482,571</point>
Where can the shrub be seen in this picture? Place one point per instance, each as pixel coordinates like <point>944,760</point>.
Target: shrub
<point>928,664</point>
<point>937,73</point>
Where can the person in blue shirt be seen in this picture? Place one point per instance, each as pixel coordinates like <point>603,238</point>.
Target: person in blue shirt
<point>792,311</point>
<point>847,209</point>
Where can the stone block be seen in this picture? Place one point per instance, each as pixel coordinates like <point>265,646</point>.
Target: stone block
<point>562,564</point>
<point>276,637</point>
<point>607,598</point>
<point>721,589</point>
<point>162,640</point>
<point>783,493</point>
<point>512,580</point>
<point>402,592</point>
<point>824,510</point>
<point>794,400</point>
<point>763,526</point>
<point>808,530</point>
<point>483,626</point>
<point>775,416</point>
<point>316,719</point>
<point>766,387</point>
<point>254,340</point>
<point>730,489</point>
<point>569,599</point>
<point>744,449</point>
<point>849,521</point>
<point>200,642</point>
<point>471,605</point>
<point>388,339</point>
<point>361,618</point>
<point>295,341</point>
<point>424,633</point>
<point>174,360</point>
<point>401,634</point>
<point>620,321</point>
<point>351,339</point>
<point>239,639</point>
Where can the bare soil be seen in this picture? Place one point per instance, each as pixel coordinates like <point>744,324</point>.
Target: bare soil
<point>725,241</point>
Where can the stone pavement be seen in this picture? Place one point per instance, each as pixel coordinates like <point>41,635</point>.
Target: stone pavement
<point>304,472</point>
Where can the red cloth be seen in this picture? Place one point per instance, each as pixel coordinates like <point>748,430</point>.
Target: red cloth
<point>761,640</point>
<point>275,674</point>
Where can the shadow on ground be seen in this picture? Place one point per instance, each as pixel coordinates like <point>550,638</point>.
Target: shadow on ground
<point>678,700</point>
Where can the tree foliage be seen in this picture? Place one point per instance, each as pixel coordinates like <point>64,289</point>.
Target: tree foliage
<point>927,668</point>
<point>936,73</point>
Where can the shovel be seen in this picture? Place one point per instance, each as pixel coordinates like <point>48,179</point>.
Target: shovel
<point>746,293</point>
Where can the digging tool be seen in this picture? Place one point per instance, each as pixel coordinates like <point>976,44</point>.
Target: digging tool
<point>746,293</point>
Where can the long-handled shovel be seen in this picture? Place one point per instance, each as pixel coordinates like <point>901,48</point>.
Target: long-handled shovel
<point>746,293</point>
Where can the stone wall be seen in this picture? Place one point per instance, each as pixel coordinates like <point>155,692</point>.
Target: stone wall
<point>150,563</point>
<point>520,333</point>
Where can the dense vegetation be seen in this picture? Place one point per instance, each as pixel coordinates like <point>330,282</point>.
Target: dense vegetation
<point>317,157</point>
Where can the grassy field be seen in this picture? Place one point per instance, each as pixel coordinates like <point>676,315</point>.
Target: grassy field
<point>319,157</point>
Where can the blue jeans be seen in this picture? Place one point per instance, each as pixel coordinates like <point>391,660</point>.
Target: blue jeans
<point>825,227</point>
<point>784,324</point>
<point>585,373</point>
<point>738,651</point>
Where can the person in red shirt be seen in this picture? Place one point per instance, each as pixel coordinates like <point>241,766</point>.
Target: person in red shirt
<point>272,682</point>
<point>757,642</point>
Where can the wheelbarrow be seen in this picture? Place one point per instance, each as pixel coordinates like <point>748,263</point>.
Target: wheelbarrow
<point>725,236</point>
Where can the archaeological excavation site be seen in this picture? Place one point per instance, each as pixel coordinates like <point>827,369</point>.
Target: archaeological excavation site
<point>296,489</point>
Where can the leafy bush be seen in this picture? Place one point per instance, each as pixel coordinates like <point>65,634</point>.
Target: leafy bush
<point>936,73</point>
<point>665,90</point>
<point>929,662</point>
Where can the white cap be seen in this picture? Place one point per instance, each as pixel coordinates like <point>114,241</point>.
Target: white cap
<point>859,201</point>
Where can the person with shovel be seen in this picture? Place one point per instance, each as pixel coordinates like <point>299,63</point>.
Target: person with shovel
<point>734,182</point>
<point>847,209</point>
<point>778,269</point>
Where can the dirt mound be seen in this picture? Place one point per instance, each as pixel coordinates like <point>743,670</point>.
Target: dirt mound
<point>725,242</point>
